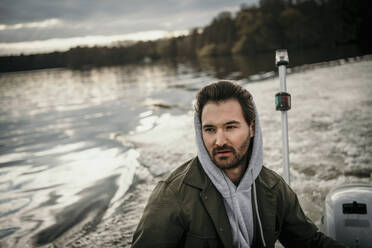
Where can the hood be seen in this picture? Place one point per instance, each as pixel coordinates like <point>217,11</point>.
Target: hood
<point>214,173</point>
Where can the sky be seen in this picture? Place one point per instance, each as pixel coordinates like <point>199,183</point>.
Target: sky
<point>29,26</point>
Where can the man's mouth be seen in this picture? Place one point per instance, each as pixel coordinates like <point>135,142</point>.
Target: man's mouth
<point>223,152</point>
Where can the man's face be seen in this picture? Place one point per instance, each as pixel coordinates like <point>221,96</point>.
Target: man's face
<point>225,132</point>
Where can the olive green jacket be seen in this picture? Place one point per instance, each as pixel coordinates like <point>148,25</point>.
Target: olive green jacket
<point>186,210</point>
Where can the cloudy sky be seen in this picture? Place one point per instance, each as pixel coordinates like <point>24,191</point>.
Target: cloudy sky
<point>35,25</point>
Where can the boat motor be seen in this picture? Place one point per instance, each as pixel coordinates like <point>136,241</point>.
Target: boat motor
<point>348,215</point>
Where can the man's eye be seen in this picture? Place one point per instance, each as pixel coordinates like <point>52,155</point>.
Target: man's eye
<point>230,127</point>
<point>208,130</point>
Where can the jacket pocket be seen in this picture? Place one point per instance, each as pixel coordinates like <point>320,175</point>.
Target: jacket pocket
<point>193,241</point>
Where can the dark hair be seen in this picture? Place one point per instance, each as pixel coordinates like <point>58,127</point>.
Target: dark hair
<point>224,90</point>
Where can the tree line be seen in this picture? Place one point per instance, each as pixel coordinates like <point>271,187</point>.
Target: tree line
<point>273,24</point>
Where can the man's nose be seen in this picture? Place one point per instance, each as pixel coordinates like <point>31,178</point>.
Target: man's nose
<point>220,138</point>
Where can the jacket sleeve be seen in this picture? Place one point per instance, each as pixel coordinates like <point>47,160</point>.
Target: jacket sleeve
<point>161,224</point>
<point>297,229</point>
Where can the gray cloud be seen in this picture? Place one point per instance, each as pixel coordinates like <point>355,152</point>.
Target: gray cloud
<point>93,17</point>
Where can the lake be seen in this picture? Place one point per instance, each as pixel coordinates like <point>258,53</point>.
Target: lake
<point>80,151</point>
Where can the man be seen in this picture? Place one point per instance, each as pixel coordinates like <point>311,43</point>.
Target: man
<point>225,197</point>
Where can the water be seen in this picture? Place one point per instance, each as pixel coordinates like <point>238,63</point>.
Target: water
<point>80,151</point>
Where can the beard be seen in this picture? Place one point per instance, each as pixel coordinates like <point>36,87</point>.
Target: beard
<point>229,162</point>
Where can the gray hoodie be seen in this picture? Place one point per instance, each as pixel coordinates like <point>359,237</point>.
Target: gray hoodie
<point>237,199</point>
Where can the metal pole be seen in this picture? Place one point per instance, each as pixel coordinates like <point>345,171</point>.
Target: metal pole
<point>283,103</point>
<point>283,88</point>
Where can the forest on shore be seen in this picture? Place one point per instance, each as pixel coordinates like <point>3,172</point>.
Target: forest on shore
<point>273,24</point>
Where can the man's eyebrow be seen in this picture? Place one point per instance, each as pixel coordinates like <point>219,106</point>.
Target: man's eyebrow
<point>232,122</point>
<point>207,125</point>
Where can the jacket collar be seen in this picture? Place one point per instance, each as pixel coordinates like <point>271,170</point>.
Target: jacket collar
<point>211,199</point>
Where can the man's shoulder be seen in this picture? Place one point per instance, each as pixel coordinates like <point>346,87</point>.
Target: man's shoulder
<point>269,178</point>
<point>182,175</point>
<point>168,188</point>
<point>179,173</point>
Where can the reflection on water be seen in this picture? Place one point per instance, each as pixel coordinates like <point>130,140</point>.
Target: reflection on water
<point>61,164</point>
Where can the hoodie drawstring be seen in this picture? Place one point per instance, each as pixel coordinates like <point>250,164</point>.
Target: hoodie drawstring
<point>234,210</point>
<point>256,207</point>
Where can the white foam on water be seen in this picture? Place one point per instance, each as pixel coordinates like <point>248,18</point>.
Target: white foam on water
<point>82,168</point>
<point>145,114</point>
<point>5,158</point>
<point>167,145</point>
<point>147,123</point>
<point>59,149</point>
<point>128,169</point>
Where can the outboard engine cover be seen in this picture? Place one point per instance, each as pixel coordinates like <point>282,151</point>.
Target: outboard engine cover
<point>348,215</point>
